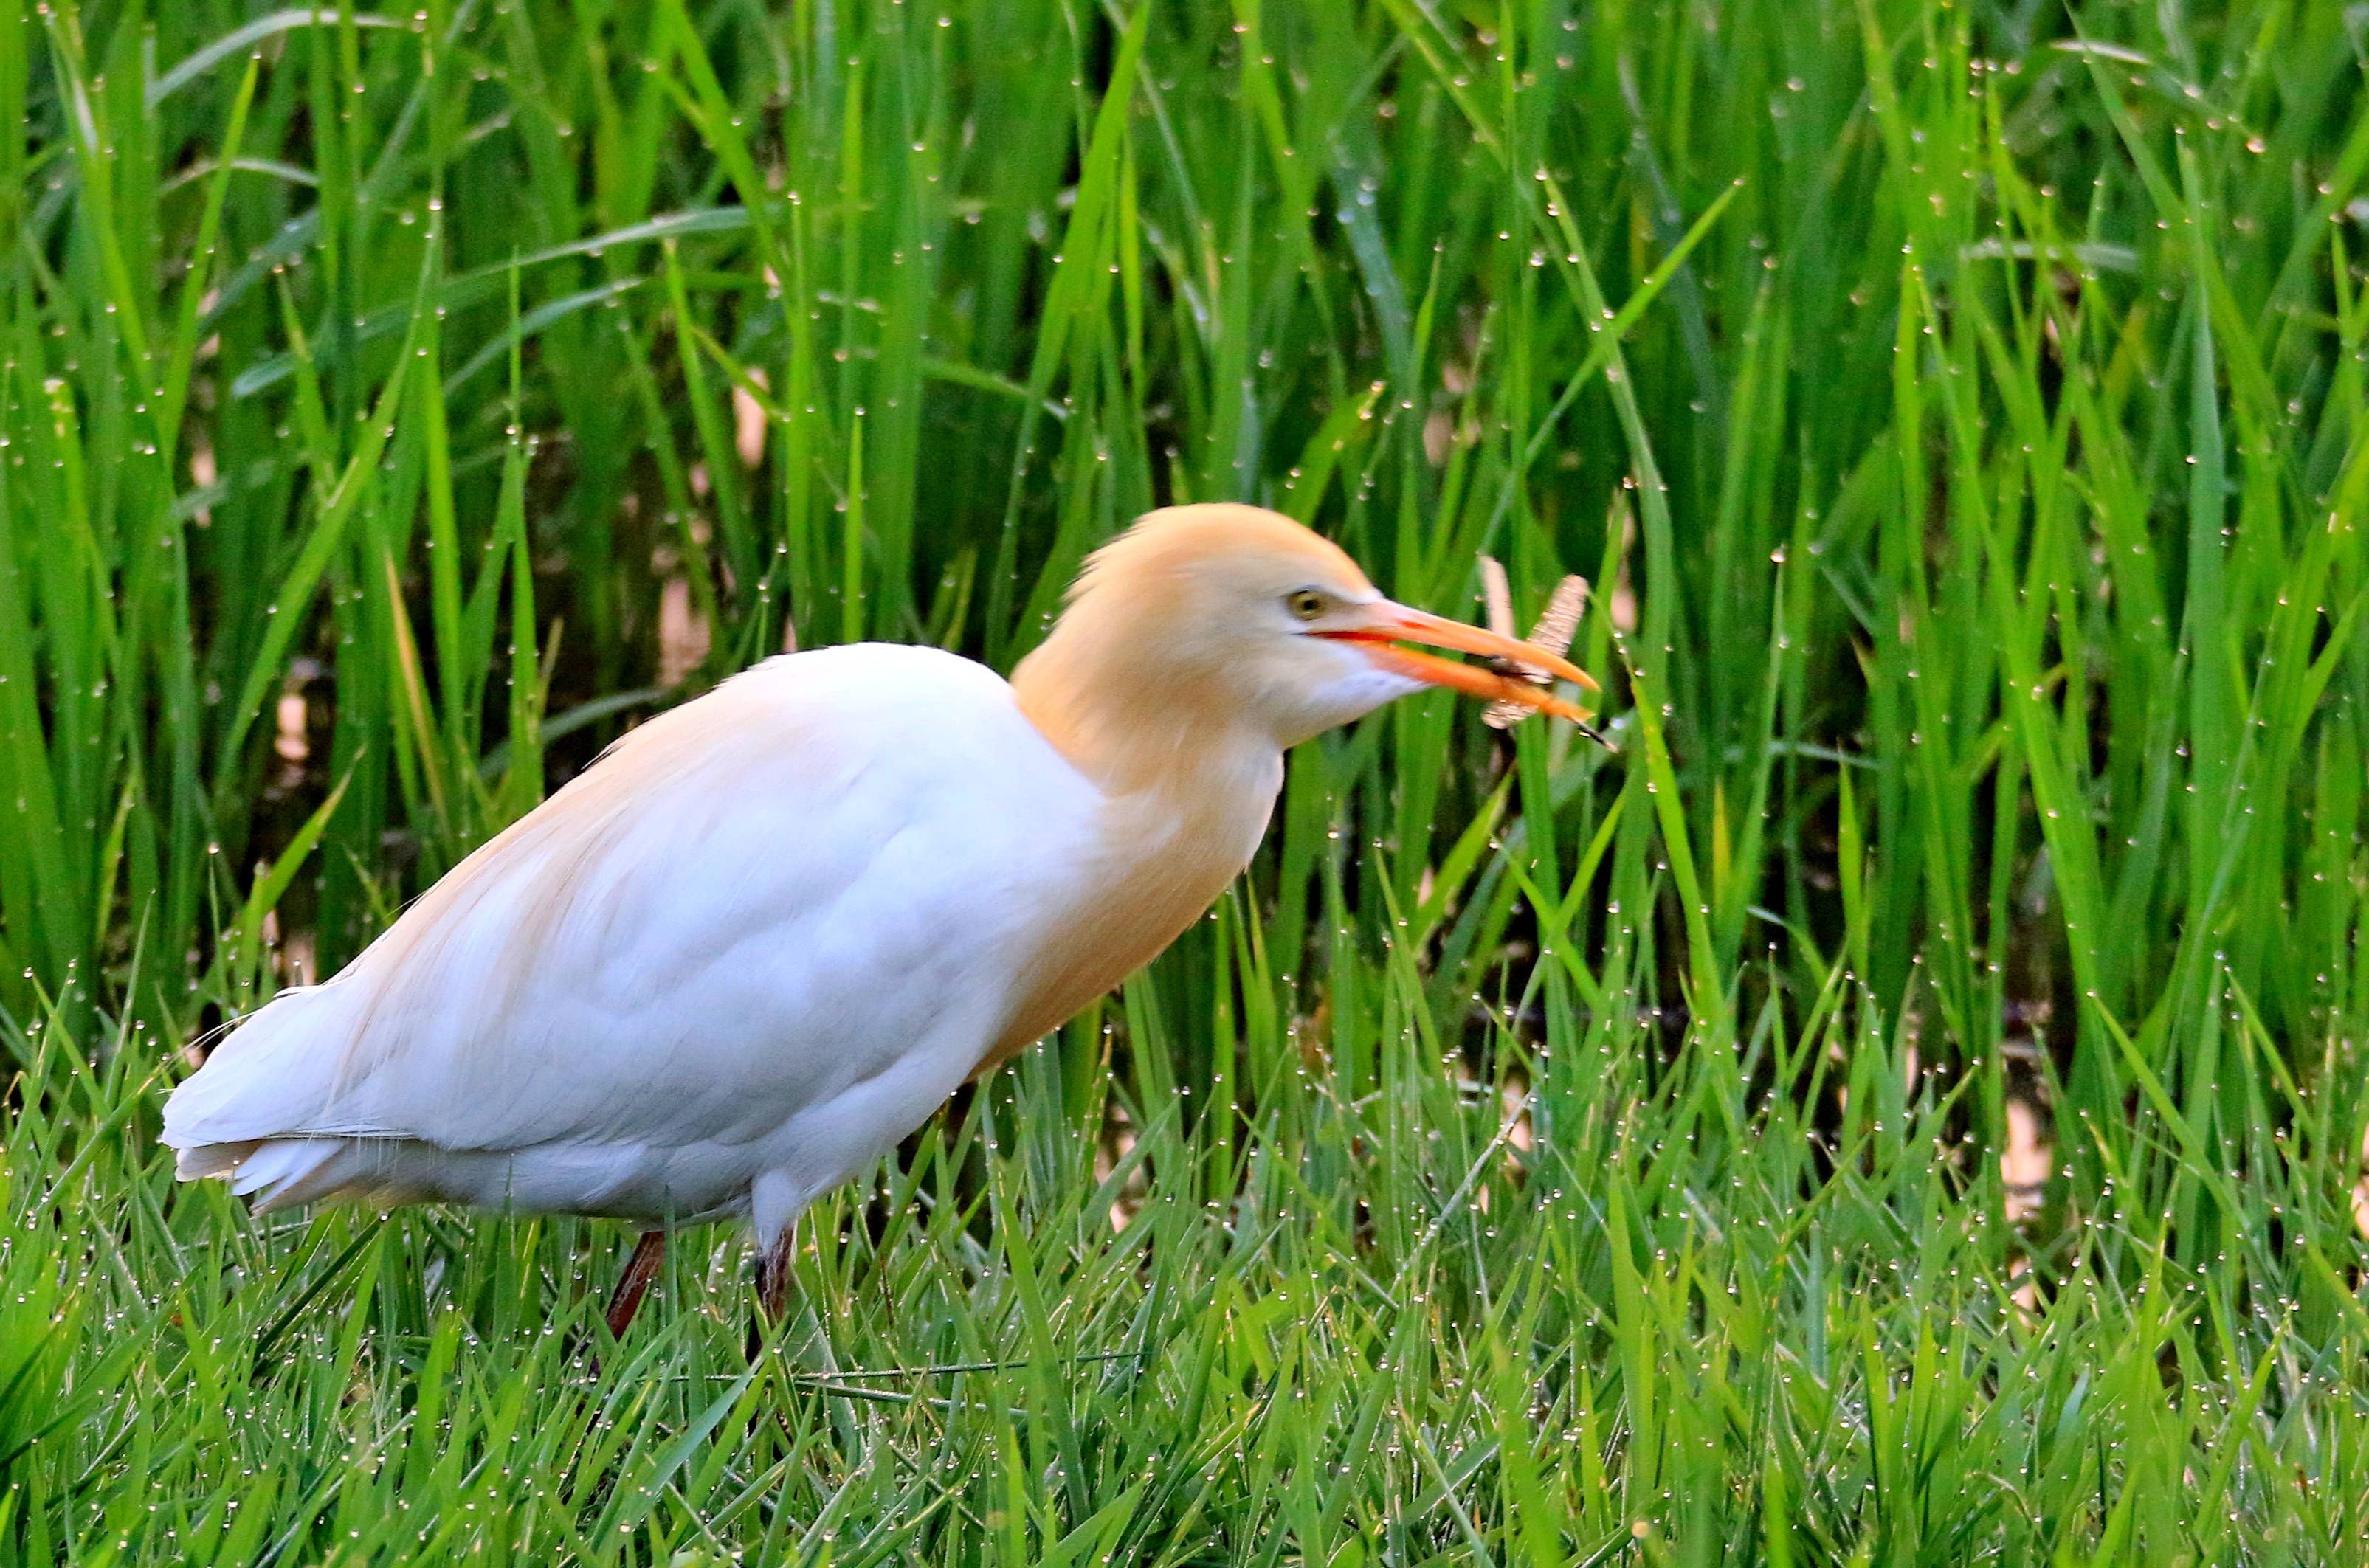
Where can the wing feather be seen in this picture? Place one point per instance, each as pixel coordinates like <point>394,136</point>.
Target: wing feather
<point>748,905</point>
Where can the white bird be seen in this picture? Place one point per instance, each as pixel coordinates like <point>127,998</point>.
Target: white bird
<point>767,932</point>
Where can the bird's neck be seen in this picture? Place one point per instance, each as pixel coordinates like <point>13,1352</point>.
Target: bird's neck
<point>1139,728</point>
<point>1186,799</point>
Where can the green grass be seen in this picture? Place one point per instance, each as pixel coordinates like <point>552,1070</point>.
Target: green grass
<point>1546,1155</point>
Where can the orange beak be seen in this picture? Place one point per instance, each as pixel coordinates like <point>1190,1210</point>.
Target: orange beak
<point>1387,623</point>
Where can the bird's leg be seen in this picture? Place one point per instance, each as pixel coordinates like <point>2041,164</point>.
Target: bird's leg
<point>774,1276</point>
<point>649,1256</point>
<point>775,1201</point>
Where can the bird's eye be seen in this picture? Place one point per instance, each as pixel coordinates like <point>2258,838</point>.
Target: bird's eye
<point>1306,604</point>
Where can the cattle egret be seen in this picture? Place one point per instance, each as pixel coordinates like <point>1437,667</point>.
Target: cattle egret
<point>769,932</point>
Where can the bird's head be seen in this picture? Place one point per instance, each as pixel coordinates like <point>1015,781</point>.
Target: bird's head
<point>1235,617</point>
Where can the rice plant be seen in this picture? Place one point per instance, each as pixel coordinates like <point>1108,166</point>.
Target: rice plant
<point>1903,1106</point>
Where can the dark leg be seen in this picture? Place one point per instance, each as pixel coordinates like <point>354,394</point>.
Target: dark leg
<point>649,1256</point>
<point>773,1275</point>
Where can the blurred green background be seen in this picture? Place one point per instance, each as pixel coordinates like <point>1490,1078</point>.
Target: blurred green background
<point>1902,1107</point>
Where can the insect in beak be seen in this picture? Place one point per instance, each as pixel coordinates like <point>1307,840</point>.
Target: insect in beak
<point>1553,634</point>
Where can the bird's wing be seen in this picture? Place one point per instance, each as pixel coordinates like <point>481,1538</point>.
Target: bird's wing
<point>754,902</point>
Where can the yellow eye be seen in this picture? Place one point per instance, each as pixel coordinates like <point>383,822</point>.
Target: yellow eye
<point>1306,604</point>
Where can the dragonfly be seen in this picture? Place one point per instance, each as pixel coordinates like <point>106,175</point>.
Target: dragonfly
<point>1556,625</point>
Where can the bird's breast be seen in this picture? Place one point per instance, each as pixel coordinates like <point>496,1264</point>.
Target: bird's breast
<point>1162,858</point>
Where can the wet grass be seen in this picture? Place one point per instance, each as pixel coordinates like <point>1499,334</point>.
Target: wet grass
<point>1545,1155</point>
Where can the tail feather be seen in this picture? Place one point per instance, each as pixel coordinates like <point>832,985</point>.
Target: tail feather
<point>199,1161</point>
<point>281,1172</point>
<point>273,1077</point>
<point>253,1112</point>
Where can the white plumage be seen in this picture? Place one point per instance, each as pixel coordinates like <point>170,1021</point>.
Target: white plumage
<point>751,948</point>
